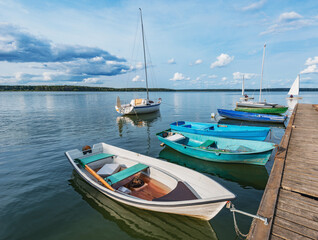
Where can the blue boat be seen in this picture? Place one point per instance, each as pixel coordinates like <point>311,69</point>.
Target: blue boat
<point>218,149</point>
<point>221,130</point>
<point>254,117</point>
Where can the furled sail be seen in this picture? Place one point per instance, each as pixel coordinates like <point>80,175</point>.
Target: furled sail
<point>118,102</point>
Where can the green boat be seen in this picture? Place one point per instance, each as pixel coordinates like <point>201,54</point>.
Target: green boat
<point>262,107</point>
<point>274,110</point>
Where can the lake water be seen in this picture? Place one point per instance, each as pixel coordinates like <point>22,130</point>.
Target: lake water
<point>42,198</point>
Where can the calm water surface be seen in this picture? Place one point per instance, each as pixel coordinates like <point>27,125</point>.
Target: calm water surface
<point>42,198</point>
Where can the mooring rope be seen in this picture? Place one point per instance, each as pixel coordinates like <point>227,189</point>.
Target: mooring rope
<point>237,230</point>
<point>231,207</point>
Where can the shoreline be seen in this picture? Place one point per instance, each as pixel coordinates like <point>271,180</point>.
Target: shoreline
<point>70,88</point>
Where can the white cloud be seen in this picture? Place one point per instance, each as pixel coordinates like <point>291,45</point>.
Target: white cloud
<point>198,61</point>
<point>311,61</point>
<point>224,78</point>
<point>254,6</point>
<point>97,59</point>
<point>289,21</point>
<point>212,76</point>
<point>171,61</point>
<point>179,77</point>
<point>139,65</point>
<point>310,69</point>
<point>222,60</point>
<point>92,80</point>
<point>19,76</point>
<point>137,79</point>
<point>239,75</point>
<point>289,16</point>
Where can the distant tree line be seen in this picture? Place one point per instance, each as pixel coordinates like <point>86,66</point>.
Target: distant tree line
<point>68,88</point>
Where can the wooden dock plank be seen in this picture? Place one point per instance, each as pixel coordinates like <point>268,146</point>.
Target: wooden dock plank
<point>268,203</point>
<point>276,238</point>
<point>300,187</point>
<point>297,211</point>
<point>302,220</point>
<point>297,204</point>
<point>287,234</point>
<point>301,176</point>
<point>295,227</point>
<point>297,197</point>
<point>293,212</point>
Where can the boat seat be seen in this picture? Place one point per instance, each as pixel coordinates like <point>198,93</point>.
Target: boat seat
<point>175,137</point>
<point>181,192</point>
<point>207,144</point>
<point>119,176</point>
<point>108,169</point>
<point>90,159</point>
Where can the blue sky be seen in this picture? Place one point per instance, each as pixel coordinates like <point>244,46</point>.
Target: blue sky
<point>190,44</point>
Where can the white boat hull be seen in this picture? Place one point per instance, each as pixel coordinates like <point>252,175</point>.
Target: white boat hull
<point>212,196</point>
<point>141,109</point>
<point>246,98</point>
<point>205,211</point>
<point>291,98</point>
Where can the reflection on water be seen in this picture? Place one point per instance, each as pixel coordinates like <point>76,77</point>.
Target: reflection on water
<point>291,103</point>
<point>142,120</point>
<point>244,174</point>
<point>141,223</point>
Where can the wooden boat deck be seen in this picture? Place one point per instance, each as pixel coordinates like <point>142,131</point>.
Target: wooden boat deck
<point>290,200</point>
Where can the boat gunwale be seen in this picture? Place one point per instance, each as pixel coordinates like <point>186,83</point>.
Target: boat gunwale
<point>218,153</point>
<point>246,128</point>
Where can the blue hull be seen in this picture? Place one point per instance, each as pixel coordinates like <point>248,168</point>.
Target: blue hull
<point>220,130</point>
<point>256,152</point>
<point>254,117</point>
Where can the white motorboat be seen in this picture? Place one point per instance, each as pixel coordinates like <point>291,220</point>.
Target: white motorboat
<point>149,183</point>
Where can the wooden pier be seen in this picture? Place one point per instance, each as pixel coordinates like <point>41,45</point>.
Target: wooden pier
<point>290,200</point>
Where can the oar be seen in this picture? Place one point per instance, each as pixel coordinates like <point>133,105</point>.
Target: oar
<point>99,178</point>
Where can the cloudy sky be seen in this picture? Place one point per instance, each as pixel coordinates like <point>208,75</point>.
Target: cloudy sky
<point>190,44</point>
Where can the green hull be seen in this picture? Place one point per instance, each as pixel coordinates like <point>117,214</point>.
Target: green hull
<point>277,110</point>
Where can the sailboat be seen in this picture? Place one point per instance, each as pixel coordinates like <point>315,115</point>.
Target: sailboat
<point>260,107</point>
<point>244,96</point>
<point>140,105</point>
<point>294,90</point>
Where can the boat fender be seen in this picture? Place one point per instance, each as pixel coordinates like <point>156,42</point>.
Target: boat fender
<point>86,149</point>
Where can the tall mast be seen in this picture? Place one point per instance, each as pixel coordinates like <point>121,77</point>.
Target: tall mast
<point>243,86</point>
<point>260,89</point>
<point>143,44</point>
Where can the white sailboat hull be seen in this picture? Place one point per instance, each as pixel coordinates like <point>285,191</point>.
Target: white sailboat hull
<point>295,97</point>
<point>246,98</point>
<point>128,109</point>
<point>211,196</point>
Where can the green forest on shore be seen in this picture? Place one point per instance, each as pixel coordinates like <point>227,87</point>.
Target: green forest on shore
<point>69,88</point>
